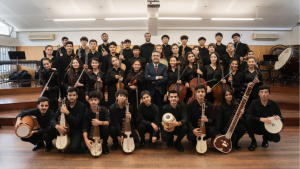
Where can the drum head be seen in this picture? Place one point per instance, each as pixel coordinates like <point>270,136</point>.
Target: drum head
<point>163,61</point>
<point>167,117</point>
<point>275,127</point>
<point>23,131</point>
<point>283,58</point>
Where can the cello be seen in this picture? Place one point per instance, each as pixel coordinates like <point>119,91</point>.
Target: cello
<point>180,88</point>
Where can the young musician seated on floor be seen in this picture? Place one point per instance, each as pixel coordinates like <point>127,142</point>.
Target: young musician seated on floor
<point>117,114</point>
<point>225,112</point>
<point>43,133</point>
<point>90,120</point>
<point>178,126</point>
<point>257,114</point>
<point>148,119</point>
<point>194,110</point>
<point>74,113</point>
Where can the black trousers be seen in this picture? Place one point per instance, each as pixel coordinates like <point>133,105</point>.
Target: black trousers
<point>237,134</point>
<point>180,131</point>
<point>114,135</point>
<point>77,144</point>
<point>257,127</point>
<point>210,133</point>
<point>158,100</point>
<point>47,137</point>
<point>143,129</point>
<point>53,106</point>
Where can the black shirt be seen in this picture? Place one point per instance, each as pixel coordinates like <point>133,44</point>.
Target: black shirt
<point>189,74</point>
<point>206,59</point>
<point>110,78</point>
<point>106,47</point>
<point>210,74</point>
<point>55,63</point>
<point>146,51</point>
<point>249,77</point>
<point>148,115</point>
<point>90,57</point>
<point>74,118</point>
<point>221,50</point>
<point>238,81</point>
<point>106,62</point>
<point>43,120</point>
<point>195,112</point>
<point>89,116</point>
<point>64,62</point>
<point>179,112</point>
<point>173,76</point>
<point>257,110</point>
<point>81,54</point>
<point>93,79</point>
<point>167,50</point>
<point>224,116</point>
<point>186,50</point>
<point>203,51</point>
<point>131,60</point>
<point>226,61</point>
<point>53,86</point>
<point>241,49</point>
<point>62,50</point>
<point>127,53</point>
<point>179,58</point>
<point>117,115</point>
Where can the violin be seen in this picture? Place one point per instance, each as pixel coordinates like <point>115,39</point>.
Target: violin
<point>98,86</point>
<point>195,81</point>
<point>133,80</point>
<point>120,85</point>
<point>180,88</point>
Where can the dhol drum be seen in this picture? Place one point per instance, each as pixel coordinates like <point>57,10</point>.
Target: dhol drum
<point>25,127</point>
<point>288,62</point>
<point>275,127</point>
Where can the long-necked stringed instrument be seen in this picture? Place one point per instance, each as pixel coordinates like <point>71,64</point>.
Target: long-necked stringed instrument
<point>95,134</point>
<point>46,84</point>
<point>122,65</point>
<point>133,80</point>
<point>87,50</point>
<point>128,142</point>
<point>201,146</point>
<point>62,141</point>
<point>180,88</point>
<point>195,81</point>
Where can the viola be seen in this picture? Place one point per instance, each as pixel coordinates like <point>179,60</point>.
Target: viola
<point>98,86</point>
<point>120,85</point>
<point>133,80</point>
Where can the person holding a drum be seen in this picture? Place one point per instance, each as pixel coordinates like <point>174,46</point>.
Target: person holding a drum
<point>264,118</point>
<point>45,133</point>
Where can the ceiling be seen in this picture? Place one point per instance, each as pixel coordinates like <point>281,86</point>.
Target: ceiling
<point>31,14</point>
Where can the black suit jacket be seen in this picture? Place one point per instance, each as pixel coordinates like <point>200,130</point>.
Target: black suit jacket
<point>150,76</point>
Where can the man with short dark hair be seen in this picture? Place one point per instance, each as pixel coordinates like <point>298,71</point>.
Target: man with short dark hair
<point>93,53</point>
<point>147,48</point>
<point>241,49</point>
<point>220,48</point>
<point>167,49</point>
<point>106,59</point>
<point>202,49</point>
<point>127,51</point>
<point>184,39</point>
<point>136,56</point>
<point>62,49</point>
<point>45,132</point>
<point>104,47</point>
<point>83,40</point>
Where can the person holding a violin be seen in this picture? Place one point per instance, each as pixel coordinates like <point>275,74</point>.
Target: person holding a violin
<point>114,79</point>
<point>83,40</point>
<point>136,56</point>
<point>228,56</point>
<point>235,79</point>
<point>52,88</point>
<point>93,53</point>
<point>96,75</point>
<point>106,59</point>
<point>78,78</point>
<point>178,57</point>
<point>134,84</point>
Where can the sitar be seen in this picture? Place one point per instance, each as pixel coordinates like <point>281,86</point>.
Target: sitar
<point>62,141</point>
<point>128,142</point>
<point>95,135</point>
<point>201,146</point>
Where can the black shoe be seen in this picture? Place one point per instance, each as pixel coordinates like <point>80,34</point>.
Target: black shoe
<point>48,147</point>
<point>170,143</point>
<point>236,146</point>
<point>253,146</point>
<point>179,147</point>
<point>142,144</point>
<point>105,149</point>
<point>194,143</point>
<point>265,142</point>
<point>37,146</point>
<point>114,146</point>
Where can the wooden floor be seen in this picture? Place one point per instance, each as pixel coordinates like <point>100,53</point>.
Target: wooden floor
<point>15,154</point>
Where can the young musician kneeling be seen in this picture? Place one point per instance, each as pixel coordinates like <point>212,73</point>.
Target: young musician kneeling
<point>117,114</point>
<point>178,126</point>
<point>43,133</point>
<point>225,113</point>
<point>148,115</point>
<point>89,120</point>
<point>74,113</point>
<point>194,110</point>
<point>258,114</point>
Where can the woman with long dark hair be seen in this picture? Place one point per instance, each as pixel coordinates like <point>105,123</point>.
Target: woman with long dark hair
<point>236,80</point>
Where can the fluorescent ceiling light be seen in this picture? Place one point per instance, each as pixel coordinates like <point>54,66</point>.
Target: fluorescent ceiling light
<point>109,19</point>
<point>84,19</point>
<point>173,18</point>
<point>236,19</point>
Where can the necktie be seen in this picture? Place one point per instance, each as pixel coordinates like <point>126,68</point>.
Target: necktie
<point>156,73</point>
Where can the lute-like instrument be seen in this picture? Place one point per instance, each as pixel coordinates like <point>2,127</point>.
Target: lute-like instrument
<point>95,135</point>
<point>201,146</point>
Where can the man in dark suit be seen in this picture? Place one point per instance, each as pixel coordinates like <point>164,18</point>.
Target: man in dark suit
<point>156,77</point>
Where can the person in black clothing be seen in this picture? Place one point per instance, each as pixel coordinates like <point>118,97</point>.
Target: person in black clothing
<point>212,72</point>
<point>64,62</point>
<point>136,56</point>
<point>225,113</point>
<point>127,51</point>
<point>184,39</point>
<point>258,114</point>
<point>175,54</point>
<point>203,51</point>
<point>194,110</point>
<point>74,114</point>
<point>243,65</point>
<point>159,48</point>
<point>90,121</point>
<point>220,48</point>
<point>228,56</point>
<point>135,90</point>
<point>43,133</point>
<point>104,47</point>
<point>93,77</point>
<point>211,49</point>
<point>72,76</point>
<point>166,47</point>
<point>241,49</point>
<point>117,114</point>
<point>91,54</point>
<point>236,81</point>
<point>106,59</point>
<point>52,89</point>
<point>177,127</point>
<point>112,78</point>
<point>147,48</point>
<point>62,50</point>
<point>148,119</point>
<point>83,40</point>
<point>54,60</point>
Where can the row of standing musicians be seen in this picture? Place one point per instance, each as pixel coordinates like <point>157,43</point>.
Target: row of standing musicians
<point>155,80</point>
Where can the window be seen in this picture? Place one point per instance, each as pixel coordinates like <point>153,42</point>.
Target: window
<point>5,29</point>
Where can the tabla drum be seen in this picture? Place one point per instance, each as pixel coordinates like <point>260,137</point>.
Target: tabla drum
<point>288,62</point>
<point>275,127</point>
<point>25,127</point>
<point>168,117</point>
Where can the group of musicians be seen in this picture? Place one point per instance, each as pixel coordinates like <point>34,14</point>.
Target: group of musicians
<point>143,76</point>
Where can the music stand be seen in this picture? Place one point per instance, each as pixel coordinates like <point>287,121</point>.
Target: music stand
<point>270,59</point>
<point>16,55</point>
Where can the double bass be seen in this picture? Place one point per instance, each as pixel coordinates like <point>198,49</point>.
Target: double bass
<point>62,141</point>
<point>180,88</point>
<point>128,142</point>
<point>195,81</point>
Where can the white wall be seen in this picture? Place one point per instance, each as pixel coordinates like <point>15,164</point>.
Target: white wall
<point>137,38</point>
<point>295,36</point>
<point>8,41</point>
